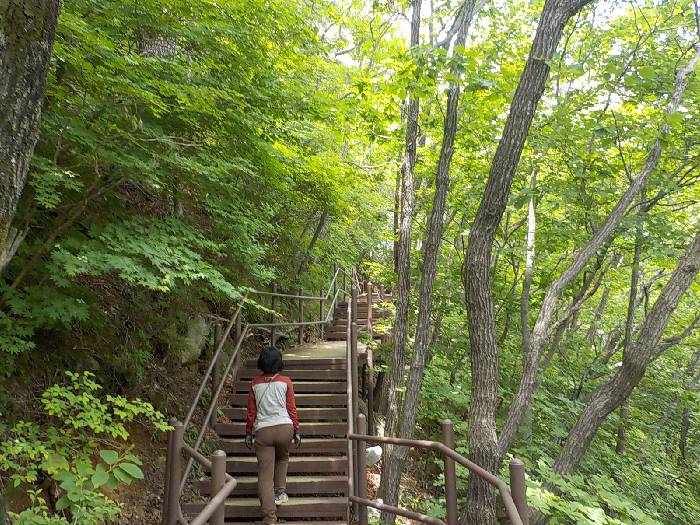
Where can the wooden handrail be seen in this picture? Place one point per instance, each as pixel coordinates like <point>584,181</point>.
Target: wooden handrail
<point>511,510</point>
<point>213,362</point>
<point>398,511</point>
<point>175,482</point>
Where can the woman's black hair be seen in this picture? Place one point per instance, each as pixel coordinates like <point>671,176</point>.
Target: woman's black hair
<point>270,360</point>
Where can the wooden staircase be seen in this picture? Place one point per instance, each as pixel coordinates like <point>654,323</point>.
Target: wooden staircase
<point>339,328</point>
<point>317,480</point>
<point>320,473</point>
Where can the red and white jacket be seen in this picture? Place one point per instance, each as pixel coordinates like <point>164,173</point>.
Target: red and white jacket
<point>271,402</point>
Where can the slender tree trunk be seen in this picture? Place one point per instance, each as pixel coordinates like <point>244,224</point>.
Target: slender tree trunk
<point>542,329</point>
<point>527,284</point>
<point>397,213</point>
<point>629,324</point>
<point>317,233</point>
<point>483,445</point>
<point>389,485</point>
<point>394,462</point>
<point>612,394</point>
<point>27,30</point>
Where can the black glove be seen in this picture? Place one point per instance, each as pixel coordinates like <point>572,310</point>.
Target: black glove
<point>249,440</point>
<point>297,438</point>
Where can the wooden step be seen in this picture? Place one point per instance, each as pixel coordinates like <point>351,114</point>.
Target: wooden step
<point>310,445</point>
<point>308,429</point>
<point>297,465</point>
<point>304,414</point>
<point>287,522</point>
<point>303,400</point>
<point>316,387</point>
<point>299,375</point>
<point>296,363</point>
<point>296,485</point>
<point>296,508</point>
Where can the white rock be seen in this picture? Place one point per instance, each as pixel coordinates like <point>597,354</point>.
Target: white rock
<point>374,454</point>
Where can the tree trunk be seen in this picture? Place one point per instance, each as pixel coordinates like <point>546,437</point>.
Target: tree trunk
<point>629,324</point>
<point>542,329</point>
<point>306,257</point>
<point>527,284</point>
<point>394,462</point>
<point>390,482</point>
<point>612,394</point>
<point>27,30</point>
<point>483,445</point>
<point>397,213</point>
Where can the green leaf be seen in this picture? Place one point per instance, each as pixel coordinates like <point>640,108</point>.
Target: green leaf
<point>131,469</point>
<point>100,477</point>
<point>122,476</point>
<point>109,456</point>
<point>647,72</point>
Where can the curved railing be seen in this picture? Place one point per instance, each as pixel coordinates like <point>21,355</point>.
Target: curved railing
<point>514,499</point>
<point>222,484</point>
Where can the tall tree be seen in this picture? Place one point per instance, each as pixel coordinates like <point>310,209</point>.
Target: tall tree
<point>394,462</point>
<point>543,326</point>
<point>645,350</point>
<point>390,488</point>
<point>27,30</point>
<point>483,443</point>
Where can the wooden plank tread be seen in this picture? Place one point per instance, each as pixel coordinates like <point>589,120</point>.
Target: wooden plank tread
<point>295,508</point>
<point>309,445</point>
<point>305,414</point>
<point>299,375</point>
<point>307,429</point>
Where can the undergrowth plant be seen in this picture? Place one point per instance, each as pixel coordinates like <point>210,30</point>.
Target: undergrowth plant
<point>74,453</point>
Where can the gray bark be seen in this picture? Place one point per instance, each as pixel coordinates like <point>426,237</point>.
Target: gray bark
<point>390,485</point>
<point>483,445</point>
<point>394,460</point>
<point>612,394</point>
<point>629,327</point>
<point>527,284</point>
<point>542,329</point>
<point>27,30</point>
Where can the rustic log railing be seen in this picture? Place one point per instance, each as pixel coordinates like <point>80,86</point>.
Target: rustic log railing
<point>514,499</point>
<point>222,484</point>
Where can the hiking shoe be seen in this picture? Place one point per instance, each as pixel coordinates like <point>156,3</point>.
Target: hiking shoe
<point>281,498</point>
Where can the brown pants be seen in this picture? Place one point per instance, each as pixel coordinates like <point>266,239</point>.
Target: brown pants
<point>272,450</point>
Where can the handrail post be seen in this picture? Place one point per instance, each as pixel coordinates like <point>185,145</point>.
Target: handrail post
<point>353,375</point>
<point>320,311</point>
<point>175,473</point>
<point>345,287</point>
<point>273,307</point>
<point>370,393</point>
<point>353,299</point>
<point>381,292</point>
<point>218,479</point>
<point>335,279</point>
<point>518,488</point>
<point>166,488</point>
<point>301,317</point>
<point>362,468</point>
<point>448,437</point>
<point>369,308</point>
<point>238,328</point>
<point>216,373</point>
